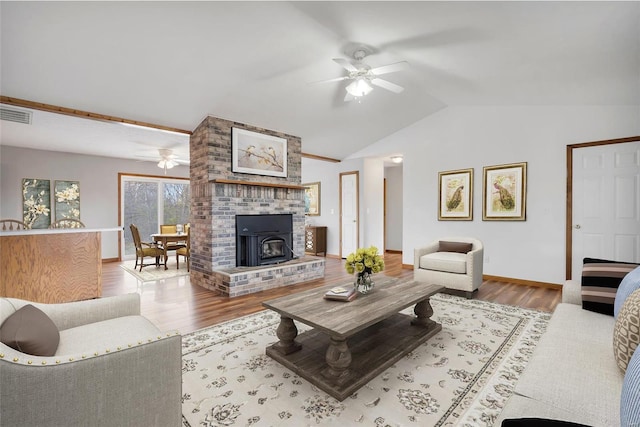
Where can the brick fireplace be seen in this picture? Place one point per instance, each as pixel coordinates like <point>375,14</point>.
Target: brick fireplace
<point>218,195</point>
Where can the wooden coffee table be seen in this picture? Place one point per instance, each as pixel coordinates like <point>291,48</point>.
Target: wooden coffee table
<point>352,342</point>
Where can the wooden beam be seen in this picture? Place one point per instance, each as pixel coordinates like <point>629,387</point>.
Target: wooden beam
<point>84,114</point>
<point>316,157</point>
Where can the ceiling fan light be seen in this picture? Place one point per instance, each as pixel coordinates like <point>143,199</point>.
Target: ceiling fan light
<point>166,164</point>
<point>359,87</point>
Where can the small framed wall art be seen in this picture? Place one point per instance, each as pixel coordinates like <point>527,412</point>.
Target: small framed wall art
<point>312,198</point>
<point>504,196</point>
<point>66,196</point>
<point>36,202</point>
<point>258,154</point>
<point>455,195</point>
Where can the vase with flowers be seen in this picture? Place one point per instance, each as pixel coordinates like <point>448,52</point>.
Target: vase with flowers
<point>364,262</point>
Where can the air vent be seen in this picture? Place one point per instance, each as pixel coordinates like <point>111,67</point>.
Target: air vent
<point>13,115</point>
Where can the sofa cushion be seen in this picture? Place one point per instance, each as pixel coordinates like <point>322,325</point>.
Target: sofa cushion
<point>106,335</point>
<point>630,283</point>
<point>630,401</point>
<point>626,334</point>
<point>586,380</point>
<point>30,331</point>
<point>450,262</point>
<point>600,281</point>
<point>460,247</point>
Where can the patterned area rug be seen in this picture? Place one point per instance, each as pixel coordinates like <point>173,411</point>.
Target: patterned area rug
<point>461,377</point>
<point>152,272</point>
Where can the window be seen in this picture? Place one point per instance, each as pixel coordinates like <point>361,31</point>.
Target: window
<point>149,202</point>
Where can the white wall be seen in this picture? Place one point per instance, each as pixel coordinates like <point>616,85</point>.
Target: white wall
<point>328,174</point>
<point>473,137</point>
<point>372,206</point>
<point>393,239</point>
<point>98,178</point>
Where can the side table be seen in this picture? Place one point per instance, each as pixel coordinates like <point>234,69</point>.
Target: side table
<point>315,240</point>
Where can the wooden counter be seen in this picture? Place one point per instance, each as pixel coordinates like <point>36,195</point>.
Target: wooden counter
<point>51,266</point>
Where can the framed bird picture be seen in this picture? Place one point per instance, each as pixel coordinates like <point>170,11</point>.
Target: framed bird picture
<point>504,195</point>
<point>257,153</point>
<point>455,195</point>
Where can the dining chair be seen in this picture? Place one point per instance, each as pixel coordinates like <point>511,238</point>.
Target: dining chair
<point>172,229</point>
<point>12,225</point>
<point>186,251</point>
<point>144,249</point>
<point>67,223</point>
<point>168,229</point>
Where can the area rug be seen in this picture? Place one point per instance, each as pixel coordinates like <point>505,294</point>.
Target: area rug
<point>462,376</point>
<point>152,272</point>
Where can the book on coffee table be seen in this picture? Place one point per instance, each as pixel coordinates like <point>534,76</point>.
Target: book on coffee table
<point>341,294</point>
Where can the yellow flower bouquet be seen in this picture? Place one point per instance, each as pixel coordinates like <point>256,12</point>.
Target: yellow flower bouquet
<point>364,262</point>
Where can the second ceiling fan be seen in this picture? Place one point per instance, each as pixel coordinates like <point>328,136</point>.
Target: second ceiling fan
<point>363,76</point>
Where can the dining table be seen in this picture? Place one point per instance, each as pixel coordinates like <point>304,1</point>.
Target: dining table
<point>165,238</point>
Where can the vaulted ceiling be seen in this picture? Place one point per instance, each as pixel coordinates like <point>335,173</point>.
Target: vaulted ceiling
<point>173,63</point>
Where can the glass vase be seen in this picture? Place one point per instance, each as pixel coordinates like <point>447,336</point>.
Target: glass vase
<point>364,282</point>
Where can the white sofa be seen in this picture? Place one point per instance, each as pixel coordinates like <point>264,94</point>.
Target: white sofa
<point>459,272</point>
<point>112,367</point>
<point>572,375</point>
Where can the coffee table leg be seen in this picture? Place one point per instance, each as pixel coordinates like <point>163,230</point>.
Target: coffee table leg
<point>424,311</point>
<point>338,358</point>
<point>287,332</point>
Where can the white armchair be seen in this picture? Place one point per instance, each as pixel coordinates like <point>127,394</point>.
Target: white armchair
<point>112,367</point>
<point>450,265</point>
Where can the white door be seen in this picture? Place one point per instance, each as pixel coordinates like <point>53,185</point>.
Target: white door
<point>606,204</point>
<point>348,213</point>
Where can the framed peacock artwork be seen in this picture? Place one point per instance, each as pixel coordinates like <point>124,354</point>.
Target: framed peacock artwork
<point>455,195</point>
<point>504,195</point>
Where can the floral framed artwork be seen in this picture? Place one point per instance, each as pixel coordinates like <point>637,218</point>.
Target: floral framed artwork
<point>66,196</point>
<point>312,198</point>
<point>36,202</point>
<point>505,192</point>
<point>455,195</point>
<point>258,154</point>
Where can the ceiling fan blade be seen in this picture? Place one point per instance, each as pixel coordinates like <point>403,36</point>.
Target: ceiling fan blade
<point>391,68</point>
<point>337,79</point>
<point>346,64</point>
<point>181,162</point>
<point>387,85</point>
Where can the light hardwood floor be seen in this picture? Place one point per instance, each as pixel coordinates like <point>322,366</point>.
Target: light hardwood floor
<point>177,304</point>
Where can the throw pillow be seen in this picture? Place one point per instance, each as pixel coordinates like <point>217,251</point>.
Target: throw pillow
<point>459,247</point>
<point>630,283</point>
<point>30,331</point>
<point>600,281</point>
<point>629,407</point>
<point>626,332</point>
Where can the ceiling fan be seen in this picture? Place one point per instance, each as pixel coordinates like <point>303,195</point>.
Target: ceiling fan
<point>363,76</point>
<point>167,159</point>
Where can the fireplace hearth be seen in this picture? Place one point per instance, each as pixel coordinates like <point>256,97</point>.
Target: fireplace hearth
<point>263,239</point>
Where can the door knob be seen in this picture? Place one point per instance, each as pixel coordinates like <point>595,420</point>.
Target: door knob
<point>578,227</point>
